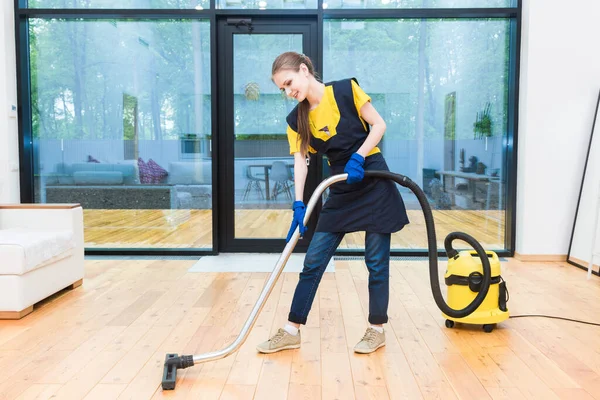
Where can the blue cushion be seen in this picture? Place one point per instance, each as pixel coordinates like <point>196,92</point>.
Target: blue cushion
<point>98,178</point>
<point>128,171</point>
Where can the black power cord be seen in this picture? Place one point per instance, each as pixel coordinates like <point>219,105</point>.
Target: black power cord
<point>551,316</point>
<point>546,316</point>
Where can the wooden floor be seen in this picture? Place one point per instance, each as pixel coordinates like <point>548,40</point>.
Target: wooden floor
<point>108,338</point>
<point>193,228</point>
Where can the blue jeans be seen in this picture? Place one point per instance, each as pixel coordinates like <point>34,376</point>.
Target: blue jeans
<point>321,249</point>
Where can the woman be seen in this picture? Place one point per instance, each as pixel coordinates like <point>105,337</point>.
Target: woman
<point>338,119</point>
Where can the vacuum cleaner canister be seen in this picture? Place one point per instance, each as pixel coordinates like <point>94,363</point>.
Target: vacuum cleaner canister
<point>464,277</point>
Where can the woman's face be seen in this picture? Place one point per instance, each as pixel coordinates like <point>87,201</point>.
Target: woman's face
<point>294,83</point>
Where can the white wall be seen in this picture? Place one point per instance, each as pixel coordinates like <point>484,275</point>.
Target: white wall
<point>560,80</point>
<point>9,153</point>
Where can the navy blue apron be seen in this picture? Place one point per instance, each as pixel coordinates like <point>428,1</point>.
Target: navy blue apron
<point>372,205</point>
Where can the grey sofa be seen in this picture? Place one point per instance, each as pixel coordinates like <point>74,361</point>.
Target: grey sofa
<point>117,186</point>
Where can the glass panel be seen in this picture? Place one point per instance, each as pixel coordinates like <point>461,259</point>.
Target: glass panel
<point>264,186</point>
<point>419,3</point>
<point>442,88</point>
<point>121,124</point>
<point>122,4</point>
<point>267,4</point>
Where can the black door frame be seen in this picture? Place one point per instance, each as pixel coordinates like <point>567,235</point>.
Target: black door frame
<point>227,27</point>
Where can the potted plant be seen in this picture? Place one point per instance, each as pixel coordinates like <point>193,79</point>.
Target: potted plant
<point>482,127</point>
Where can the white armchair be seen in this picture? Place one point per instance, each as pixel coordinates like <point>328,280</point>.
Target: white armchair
<point>41,253</point>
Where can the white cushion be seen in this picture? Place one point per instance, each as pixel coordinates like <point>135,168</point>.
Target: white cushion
<point>23,250</point>
<point>190,173</point>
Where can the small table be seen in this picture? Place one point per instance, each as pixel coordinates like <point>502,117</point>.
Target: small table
<point>267,168</point>
<point>472,177</point>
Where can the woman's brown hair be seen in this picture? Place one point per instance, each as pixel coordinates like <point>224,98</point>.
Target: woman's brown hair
<point>292,61</point>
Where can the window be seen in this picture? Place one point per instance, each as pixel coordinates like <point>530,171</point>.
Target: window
<point>121,4</point>
<point>121,116</point>
<point>418,3</point>
<point>442,88</point>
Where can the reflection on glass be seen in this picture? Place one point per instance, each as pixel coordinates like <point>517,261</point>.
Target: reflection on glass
<point>442,88</point>
<point>263,165</point>
<point>121,125</point>
<point>419,3</point>
<point>122,4</point>
<point>267,4</point>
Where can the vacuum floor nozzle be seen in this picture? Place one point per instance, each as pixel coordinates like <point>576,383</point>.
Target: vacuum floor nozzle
<point>172,363</point>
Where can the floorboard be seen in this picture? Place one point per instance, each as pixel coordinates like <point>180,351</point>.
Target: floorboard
<point>107,339</point>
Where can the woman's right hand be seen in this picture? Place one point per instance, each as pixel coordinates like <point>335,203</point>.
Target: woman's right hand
<point>298,220</point>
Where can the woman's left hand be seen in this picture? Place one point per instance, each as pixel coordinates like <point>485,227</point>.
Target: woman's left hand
<point>354,168</point>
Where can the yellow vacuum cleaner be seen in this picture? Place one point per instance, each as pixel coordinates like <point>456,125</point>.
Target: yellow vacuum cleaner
<point>464,278</point>
<point>476,292</point>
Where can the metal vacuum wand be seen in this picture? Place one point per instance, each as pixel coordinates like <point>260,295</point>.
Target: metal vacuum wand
<point>173,362</point>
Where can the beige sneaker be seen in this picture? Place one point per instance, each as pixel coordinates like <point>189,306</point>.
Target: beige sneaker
<point>371,341</point>
<point>280,341</point>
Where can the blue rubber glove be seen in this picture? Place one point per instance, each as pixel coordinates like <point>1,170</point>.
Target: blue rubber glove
<point>354,168</point>
<point>299,213</point>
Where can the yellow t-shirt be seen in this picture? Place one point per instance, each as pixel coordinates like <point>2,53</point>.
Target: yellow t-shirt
<point>324,121</point>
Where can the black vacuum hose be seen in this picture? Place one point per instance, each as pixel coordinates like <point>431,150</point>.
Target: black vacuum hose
<point>432,246</point>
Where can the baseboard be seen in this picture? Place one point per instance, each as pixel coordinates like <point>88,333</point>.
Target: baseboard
<point>584,264</point>
<point>541,257</point>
